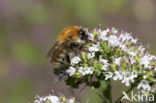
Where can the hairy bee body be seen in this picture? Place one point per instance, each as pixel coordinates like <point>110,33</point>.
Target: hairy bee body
<point>70,42</point>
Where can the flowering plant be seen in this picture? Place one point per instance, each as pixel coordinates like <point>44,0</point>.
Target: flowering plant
<point>54,99</point>
<point>113,55</point>
<point>110,55</point>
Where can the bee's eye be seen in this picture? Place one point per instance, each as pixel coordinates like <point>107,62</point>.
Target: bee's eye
<point>83,34</point>
<point>74,44</point>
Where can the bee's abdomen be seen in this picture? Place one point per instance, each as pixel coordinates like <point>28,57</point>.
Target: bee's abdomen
<point>63,59</point>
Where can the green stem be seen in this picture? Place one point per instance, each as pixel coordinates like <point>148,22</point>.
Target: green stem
<point>110,91</point>
<point>107,93</point>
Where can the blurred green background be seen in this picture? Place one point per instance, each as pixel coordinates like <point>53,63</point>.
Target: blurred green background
<point>29,28</point>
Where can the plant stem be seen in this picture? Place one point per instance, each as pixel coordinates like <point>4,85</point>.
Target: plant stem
<point>110,91</point>
<point>107,93</point>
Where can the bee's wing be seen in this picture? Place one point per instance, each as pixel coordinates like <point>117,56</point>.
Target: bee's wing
<point>52,52</point>
<point>56,50</point>
<point>52,49</point>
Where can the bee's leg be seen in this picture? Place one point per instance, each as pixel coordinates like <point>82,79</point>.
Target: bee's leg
<point>58,66</point>
<point>63,63</point>
<point>70,55</point>
<point>65,60</point>
<point>68,60</point>
<point>61,70</point>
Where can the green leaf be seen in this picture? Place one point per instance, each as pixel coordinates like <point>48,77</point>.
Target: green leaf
<point>63,98</point>
<point>152,79</point>
<point>77,75</point>
<point>84,55</point>
<point>137,59</point>
<point>47,101</point>
<point>94,32</point>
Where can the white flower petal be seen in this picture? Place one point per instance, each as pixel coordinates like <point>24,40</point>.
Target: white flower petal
<point>71,71</point>
<point>91,55</point>
<point>104,61</point>
<point>75,60</point>
<point>108,75</point>
<point>113,41</point>
<point>117,60</point>
<point>103,34</point>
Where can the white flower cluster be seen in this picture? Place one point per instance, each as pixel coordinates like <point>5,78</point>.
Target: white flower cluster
<point>75,60</point>
<point>117,55</point>
<point>144,85</point>
<point>86,70</point>
<point>126,77</point>
<point>54,99</point>
<point>82,70</point>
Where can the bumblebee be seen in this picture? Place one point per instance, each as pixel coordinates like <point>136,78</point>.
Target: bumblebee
<point>70,42</point>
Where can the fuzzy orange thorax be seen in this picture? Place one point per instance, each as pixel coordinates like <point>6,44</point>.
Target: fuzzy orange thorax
<point>71,31</point>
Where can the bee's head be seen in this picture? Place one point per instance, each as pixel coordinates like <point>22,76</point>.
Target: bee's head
<point>83,34</point>
<point>75,34</point>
